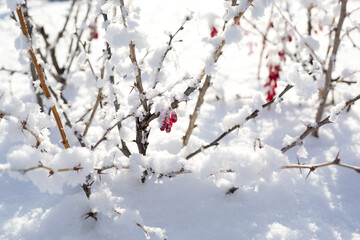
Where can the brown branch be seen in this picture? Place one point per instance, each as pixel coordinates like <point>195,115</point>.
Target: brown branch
<point>145,232</point>
<point>313,167</point>
<point>96,105</point>
<point>51,170</point>
<point>195,113</point>
<point>40,73</point>
<point>138,84</point>
<point>142,131</point>
<point>207,82</point>
<point>325,90</point>
<point>309,129</point>
<point>123,12</point>
<point>254,114</point>
<point>124,149</point>
<point>37,138</point>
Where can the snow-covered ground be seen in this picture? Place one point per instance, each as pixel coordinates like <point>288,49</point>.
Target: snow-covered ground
<point>269,203</point>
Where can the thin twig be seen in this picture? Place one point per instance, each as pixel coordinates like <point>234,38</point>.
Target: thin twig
<point>79,37</point>
<point>12,71</point>
<point>103,138</point>
<point>96,105</point>
<point>169,47</point>
<point>311,128</point>
<point>138,84</point>
<point>123,12</point>
<point>301,37</point>
<point>313,167</point>
<point>254,114</point>
<point>207,82</point>
<point>264,35</point>
<point>24,127</point>
<point>124,149</point>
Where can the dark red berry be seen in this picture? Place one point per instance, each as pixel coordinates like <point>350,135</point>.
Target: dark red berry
<point>174,117</point>
<point>281,53</point>
<point>214,32</point>
<point>168,128</point>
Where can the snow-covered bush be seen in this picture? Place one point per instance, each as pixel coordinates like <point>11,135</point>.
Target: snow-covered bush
<point>134,118</point>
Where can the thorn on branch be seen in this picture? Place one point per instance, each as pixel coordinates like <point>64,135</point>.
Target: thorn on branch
<point>312,169</point>
<point>232,190</point>
<point>258,140</point>
<point>92,215</point>
<point>87,186</point>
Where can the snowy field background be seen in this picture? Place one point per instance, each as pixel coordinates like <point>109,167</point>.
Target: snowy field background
<point>270,203</point>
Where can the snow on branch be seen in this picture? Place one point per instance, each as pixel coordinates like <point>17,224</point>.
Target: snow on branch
<point>217,53</point>
<point>314,127</point>
<point>254,114</point>
<point>40,73</point>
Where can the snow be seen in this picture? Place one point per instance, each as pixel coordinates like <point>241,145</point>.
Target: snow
<point>234,189</point>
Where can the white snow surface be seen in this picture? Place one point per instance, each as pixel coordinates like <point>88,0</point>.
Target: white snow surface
<point>180,199</point>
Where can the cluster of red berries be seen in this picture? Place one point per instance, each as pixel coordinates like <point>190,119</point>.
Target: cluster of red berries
<point>272,83</point>
<point>274,75</point>
<point>169,119</point>
<point>274,70</point>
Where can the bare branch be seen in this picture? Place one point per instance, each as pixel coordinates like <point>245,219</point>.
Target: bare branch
<point>207,82</point>
<point>311,128</point>
<point>169,47</point>
<point>301,37</point>
<point>331,65</point>
<point>103,138</point>
<point>254,114</point>
<point>138,84</point>
<point>40,73</point>
<point>264,35</point>
<point>96,105</point>
<point>313,167</point>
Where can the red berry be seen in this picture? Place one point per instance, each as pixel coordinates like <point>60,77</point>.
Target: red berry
<point>289,38</point>
<point>174,117</point>
<point>273,76</point>
<point>281,53</point>
<point>272,25</point>
<point>214,32</point>
<point>168,128</point>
